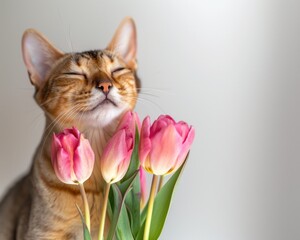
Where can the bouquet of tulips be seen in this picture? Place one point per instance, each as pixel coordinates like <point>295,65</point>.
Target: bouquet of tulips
<point>161,149</point>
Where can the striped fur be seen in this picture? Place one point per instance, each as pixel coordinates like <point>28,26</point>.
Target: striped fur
<point>39,206</point>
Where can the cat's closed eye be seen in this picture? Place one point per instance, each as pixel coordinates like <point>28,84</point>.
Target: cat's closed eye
<point>118,69</point>
<point>80,74</point>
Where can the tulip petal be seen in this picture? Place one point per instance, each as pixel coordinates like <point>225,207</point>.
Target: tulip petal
<point>63,167</point>
<point>162,122</point>
<point>143,184</point>
<point>157,126</point>
<point>127,121</point>
<point>73,131</point>
<point>185,148</point>
<point>60,161</point>
<point>165,149</point>
<point>84,159</point>
<point>145,143</point>
<point>166,118</point>
<point>137,121</point>
<point>116,157</point>
<point>69,143</point>
<point>183,129</point>
<point>54,146</point>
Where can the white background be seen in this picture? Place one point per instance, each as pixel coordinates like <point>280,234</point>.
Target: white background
<point>229,68</point>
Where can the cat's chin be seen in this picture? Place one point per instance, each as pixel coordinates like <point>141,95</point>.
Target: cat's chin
<point>107,114</point>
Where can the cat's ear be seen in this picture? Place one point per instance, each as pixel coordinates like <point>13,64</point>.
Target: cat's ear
<point>39,56</point>
<point>124,42</point>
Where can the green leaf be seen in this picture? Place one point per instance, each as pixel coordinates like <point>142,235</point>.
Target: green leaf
<point>116,202</point>
<point>86,233</point>
<point>140,235</point>
<point>114,210</point>
<point>142,223</point>
<point>161,207</point>
<point>124,186</point>
<point>123,228</point>
<point>133,201</point>
<point>144,213</point>
<point>162,204</point>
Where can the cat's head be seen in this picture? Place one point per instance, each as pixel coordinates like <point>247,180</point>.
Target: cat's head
<point>89,88</point>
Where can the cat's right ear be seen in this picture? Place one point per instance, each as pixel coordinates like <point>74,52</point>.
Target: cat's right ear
<point>39,56</point>
<point>124,42</point>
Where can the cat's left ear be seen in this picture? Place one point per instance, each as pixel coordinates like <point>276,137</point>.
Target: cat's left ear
<point>39,56</point>
<point>124,42</point>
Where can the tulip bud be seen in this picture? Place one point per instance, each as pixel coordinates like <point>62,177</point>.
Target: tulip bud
<point>164,145</point>
<point>117,153</point>
<point>72,156</point>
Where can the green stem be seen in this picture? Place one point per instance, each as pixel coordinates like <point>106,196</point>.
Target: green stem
<point>150,207</point>
<point>103,213</point>
<point>86,207</point>
<point>161,182</point>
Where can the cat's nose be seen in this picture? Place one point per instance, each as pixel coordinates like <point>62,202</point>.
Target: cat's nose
<point>104,86</point>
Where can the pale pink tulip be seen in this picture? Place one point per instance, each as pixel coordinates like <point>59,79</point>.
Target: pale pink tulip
<point>137,121</point>
<point>143,184</point>
<point>164,145</point>
<point>72,156</point>
<point>142,173</point>
<point>117,153</point>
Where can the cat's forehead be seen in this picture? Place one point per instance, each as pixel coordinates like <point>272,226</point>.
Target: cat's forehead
<point>95,60</point>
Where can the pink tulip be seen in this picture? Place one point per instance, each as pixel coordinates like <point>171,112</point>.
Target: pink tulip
<point>137,121</point>
<point>143,180</point>
<point>117,153</point>
<point>143,184</point>
<point>164,145</point>
<point>72,156</point>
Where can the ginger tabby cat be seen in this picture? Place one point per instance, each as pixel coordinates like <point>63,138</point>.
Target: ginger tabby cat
<point>90,90</point>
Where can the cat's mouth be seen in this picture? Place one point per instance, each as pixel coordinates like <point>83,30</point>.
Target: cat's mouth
<point>104,102</point>
<point>107,101</point>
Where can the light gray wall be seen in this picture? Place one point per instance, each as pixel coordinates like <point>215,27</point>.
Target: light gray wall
<point>230,68</point>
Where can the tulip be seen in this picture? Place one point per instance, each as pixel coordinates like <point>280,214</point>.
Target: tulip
<point>164,145</point>
<point>116,157</point>
<point>117,153</point>
<point>143,186</point>
<point>137,121</point>
<point>162,150</point>
<point>73,161</point>
<point>142,173</point>
<point>72,156</point>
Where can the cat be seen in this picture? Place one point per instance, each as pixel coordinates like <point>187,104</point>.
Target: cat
<point>90,90</point>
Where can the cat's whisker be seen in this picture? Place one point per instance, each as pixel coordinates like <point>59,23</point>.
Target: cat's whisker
<point>49,101</point>
<point>36,119</point>
<point>70,39</point>
<point>155,104</point>
<point>64,26</point>
<point>57,120</point>
<point>83,110</point>
<point>149,94</point>
<point>54,98</point>
<point>154,89</point>
<point>147,100</point>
